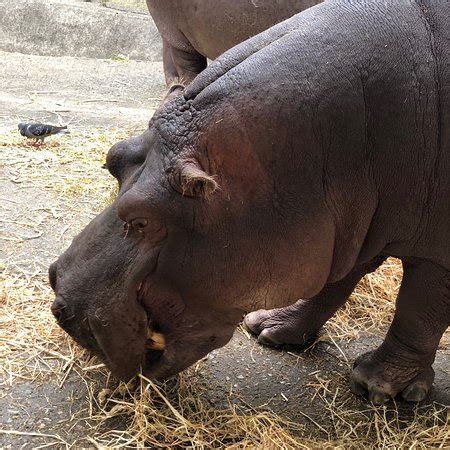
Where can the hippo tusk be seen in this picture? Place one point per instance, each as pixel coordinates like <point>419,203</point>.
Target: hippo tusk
<point>155,341</point>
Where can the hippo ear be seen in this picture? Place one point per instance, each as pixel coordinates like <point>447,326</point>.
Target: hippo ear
<point>193,181</point>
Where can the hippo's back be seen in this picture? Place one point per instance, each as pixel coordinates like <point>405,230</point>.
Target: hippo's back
<point>366,83</point>
<point>212,27</point>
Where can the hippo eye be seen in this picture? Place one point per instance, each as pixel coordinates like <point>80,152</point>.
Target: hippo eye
<point>154,230</point>
<point>139,224</point>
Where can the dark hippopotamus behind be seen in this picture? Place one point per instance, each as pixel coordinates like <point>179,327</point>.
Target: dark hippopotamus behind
<point>196,30</point>
<point>290,168</point>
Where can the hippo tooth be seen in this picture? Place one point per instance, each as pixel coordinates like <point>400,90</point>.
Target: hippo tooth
<point>139,286</point>
<point>155,340</point>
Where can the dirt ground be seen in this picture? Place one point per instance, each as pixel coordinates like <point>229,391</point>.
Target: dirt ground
<point>49,194</point>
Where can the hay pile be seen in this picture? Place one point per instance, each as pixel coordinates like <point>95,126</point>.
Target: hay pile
<point>176,413</point>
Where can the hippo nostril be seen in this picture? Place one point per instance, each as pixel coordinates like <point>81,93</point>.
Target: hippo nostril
<point>57,307</point>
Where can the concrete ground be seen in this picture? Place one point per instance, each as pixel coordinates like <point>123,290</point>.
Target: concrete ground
<point>85,91</point>
<point>96,94</point>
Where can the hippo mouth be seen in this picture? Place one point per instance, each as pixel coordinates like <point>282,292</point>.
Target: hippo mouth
<point>129,341</point>
<point>159,360</point>
<point>175,338</point>
<point>155,344</point>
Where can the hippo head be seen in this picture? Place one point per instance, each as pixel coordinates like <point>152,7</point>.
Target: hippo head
<point>196,237</point>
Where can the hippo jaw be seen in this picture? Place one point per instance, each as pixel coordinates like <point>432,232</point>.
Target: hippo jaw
<point>179,332</point>
<point>142,333</point>
<point>158,349</point>
<point>124,353</point>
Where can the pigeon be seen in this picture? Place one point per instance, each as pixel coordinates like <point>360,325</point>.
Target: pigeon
<point>39,131</point>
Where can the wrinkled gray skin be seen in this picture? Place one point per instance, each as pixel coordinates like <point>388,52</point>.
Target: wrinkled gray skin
<point>290,168</point>
<point>196,30</point>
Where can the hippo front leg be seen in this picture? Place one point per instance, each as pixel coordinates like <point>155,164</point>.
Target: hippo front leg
<point>180,68</point>
<point>403,362</point>
<point>170,71</point>
<point>299,324</point>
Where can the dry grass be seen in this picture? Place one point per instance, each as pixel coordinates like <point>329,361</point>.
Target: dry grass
<point>174,414</point>
<point>371,307</point>
<point>68,166</point>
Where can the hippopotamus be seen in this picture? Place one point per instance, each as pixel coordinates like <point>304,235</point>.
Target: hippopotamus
<point>286,171</point>
<point>193,32</point>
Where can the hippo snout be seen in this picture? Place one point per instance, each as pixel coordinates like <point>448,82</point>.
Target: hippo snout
<point>58,308</point>
<point>67,311</point>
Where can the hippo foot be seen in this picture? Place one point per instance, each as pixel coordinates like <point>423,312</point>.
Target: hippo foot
<point>382,379</point>
<point>282,326</point>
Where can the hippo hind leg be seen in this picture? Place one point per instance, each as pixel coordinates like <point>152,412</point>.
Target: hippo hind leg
<point>403,362</point>
<point>299,324</point>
